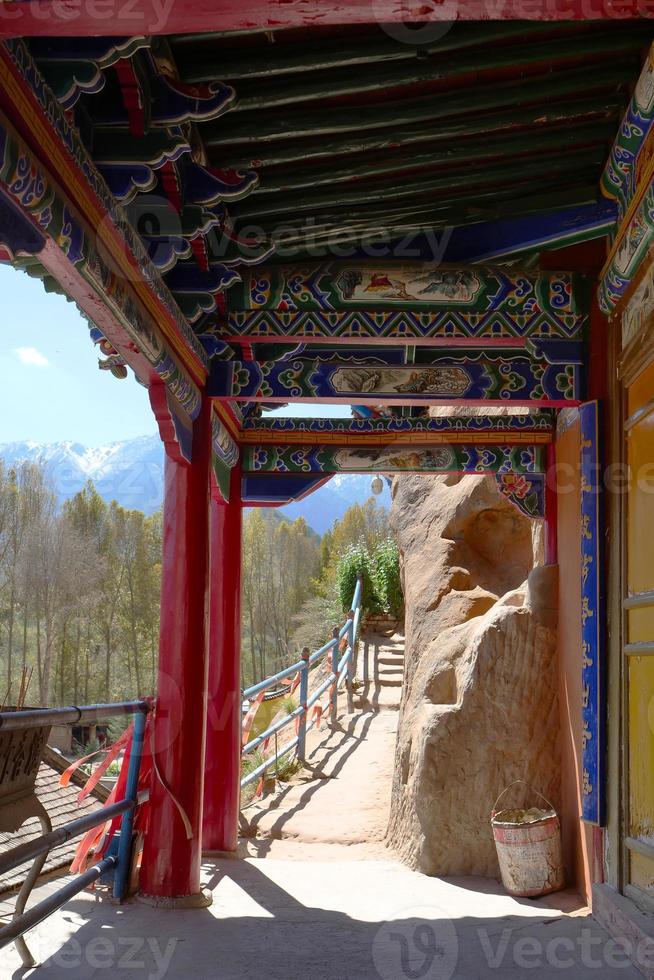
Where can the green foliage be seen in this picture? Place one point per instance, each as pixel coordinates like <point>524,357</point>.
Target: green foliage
<point>351,546</point>
<point>355,561</point>
<point>251,761</point>
<point>380,572</point>
<point>92,745</point>
<point>386,576</point>
<point>281,560</point>
<point>289,704</point>
<point>79,593</point>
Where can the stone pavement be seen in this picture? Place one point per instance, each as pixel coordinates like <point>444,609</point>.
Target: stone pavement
<point>315,895</point>
<point>323,918</point>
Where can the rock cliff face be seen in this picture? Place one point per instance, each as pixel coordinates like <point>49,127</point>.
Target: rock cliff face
<point>479,705</point>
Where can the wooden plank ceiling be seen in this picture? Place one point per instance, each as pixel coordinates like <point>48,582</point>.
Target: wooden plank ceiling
<point>353,131</point>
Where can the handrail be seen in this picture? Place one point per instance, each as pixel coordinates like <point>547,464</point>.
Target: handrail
<point>341,670</point>
<point>267,682</point>
<point>277,727</point>
<point>315,657</point>
<point>72,715</point>
<point>27,920</point>
<point>41,845</point>
<point>38,848</point>
<point>281,675</point>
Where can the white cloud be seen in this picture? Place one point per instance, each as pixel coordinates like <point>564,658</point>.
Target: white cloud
<point>31,356</point>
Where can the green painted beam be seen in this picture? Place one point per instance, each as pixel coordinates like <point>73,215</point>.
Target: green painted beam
<point>523,146</point>
<point>563,164</point>
<point>352,458</point>
<point>197,57</point>
<point>461,107</point>
<point>600,47</point>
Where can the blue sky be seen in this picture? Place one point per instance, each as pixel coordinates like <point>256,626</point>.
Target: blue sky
<point>51,387</point>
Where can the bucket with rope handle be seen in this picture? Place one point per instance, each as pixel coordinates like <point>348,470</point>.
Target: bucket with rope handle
<point>528,843</point>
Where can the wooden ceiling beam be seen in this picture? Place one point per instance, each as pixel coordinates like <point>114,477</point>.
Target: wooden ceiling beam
<point>357,456</point>
<point>566,165</point>
<point>45,18</point>
<point>316,86</point>
<point>467,379</point>
<point>198,55</point>
<point>527,100</point>
<point>524,146</point>
<point>422,137</point>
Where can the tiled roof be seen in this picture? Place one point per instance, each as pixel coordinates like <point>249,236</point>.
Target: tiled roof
<point>62,806</point>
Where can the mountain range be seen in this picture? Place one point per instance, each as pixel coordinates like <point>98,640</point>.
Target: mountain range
<point>131,472</point>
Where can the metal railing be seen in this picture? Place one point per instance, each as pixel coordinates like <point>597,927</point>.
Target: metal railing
<point>342,671</point>
<point>39,848</point>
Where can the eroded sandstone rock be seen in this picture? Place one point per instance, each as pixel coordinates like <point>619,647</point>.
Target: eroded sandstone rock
<point>479,706</point>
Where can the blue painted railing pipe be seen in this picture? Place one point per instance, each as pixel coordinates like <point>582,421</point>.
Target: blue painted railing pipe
<point>259,771</point>
<point>120,863</point>
<point>315,657</point>
<point>38,913</point>
<point>350,665</point>
<point>122,872</point>
<point>321,689</point>
<point>342,669</point>
<point>272,680</point>
<point>272,730</point>
<point>354,643</point>
<point>71,715</point>
<point>356,600</point>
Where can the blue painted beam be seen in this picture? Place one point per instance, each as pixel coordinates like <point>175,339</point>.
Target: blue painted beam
<point>270,490</point>
<point>488,240</point>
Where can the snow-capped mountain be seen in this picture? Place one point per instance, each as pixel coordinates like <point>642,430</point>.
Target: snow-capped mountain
<point>321,508</point>
<point>131,473</point>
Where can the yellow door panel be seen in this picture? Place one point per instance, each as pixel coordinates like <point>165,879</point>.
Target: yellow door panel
<point>642,873</point>
<point>640,564</point>
<point>641,747</point>
<point>640,629</point>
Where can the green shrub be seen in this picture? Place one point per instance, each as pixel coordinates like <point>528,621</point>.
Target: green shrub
<point>251,761</point>
<point>289,704</point>
<point>380,571</point>
<point>386,561</point>
<point>354,562</point>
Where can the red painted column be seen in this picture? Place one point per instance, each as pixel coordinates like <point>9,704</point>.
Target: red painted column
<point>170,872</point>
<point>222,774</point>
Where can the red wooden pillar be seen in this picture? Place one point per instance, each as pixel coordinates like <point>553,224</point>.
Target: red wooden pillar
<point>223,751</point>
<point>170,872</point>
